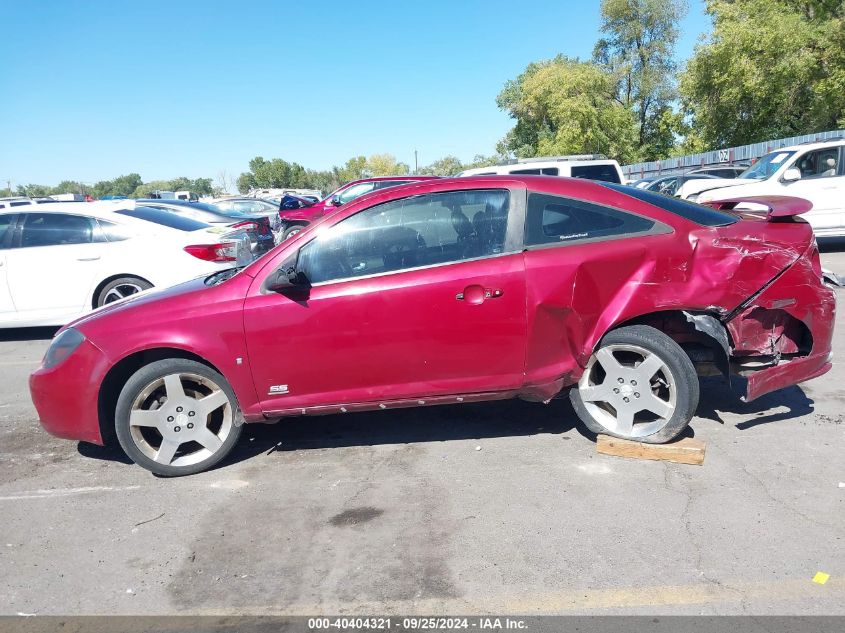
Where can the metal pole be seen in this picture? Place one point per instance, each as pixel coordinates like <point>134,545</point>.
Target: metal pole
<point>416,164</point>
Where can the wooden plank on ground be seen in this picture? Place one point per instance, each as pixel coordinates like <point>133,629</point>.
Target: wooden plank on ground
<point>685,451</point>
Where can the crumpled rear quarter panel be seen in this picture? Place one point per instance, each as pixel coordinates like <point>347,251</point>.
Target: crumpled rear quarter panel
<point>576,293</point>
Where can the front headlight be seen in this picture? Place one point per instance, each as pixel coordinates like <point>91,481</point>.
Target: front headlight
<point>62,346</point>
<point>693,197</point>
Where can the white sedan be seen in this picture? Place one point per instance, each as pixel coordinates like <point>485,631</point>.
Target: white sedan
<point>60,260</point>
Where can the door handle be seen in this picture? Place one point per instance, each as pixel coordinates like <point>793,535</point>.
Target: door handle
<point>88,259</point>
<point>475,294</point>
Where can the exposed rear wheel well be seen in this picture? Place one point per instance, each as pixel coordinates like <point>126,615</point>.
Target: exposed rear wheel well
<point>120,373</point>
<point>704,339</point>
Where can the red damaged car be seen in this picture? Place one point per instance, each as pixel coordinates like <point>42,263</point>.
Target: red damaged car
<point>455,290</point>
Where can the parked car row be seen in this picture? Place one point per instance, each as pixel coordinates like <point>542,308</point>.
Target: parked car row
<point>811,171</point>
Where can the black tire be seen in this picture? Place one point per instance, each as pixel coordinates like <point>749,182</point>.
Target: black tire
<point>195,379</point>
<point>681,373</point>
<point>292,230</point>
<point>119,288</point>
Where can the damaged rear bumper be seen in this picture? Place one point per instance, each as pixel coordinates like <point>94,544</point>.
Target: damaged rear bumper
<point>790,321</point>
<point>785,374</point>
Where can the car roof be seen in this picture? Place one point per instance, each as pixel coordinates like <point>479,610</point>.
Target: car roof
<point>102,210</point>
<point>382,178</point>
<point>805,146</point>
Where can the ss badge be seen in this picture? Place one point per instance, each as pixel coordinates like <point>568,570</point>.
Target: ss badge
<point>278,390</point>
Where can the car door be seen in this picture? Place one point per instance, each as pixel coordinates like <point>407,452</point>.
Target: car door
<point>822,182</point>
<point>414,298</point>
<point>7,228</point>
<point>52,265</point>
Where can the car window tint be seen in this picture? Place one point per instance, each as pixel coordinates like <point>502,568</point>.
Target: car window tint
<point>606,173</point>
<point>56,229</point>
<point>544,171</point>
<point>355,191</point>
<point>822,163</point>
<point>113,232</point>
<point>164,218</point>
<point>554,220</point>
<point>697,213</point>
<point>6,223</point>
<point>386,184</point>
<point>417,231</point>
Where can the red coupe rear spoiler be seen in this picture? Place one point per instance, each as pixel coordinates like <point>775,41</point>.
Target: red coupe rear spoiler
<point>776,206</point>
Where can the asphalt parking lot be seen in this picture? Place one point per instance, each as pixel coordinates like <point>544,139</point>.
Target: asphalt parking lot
<point>480,508</point>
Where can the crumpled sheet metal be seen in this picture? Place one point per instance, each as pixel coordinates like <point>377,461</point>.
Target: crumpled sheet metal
<point>715,270</point>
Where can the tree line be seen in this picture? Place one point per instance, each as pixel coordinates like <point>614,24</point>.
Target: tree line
<point>768,69</point>
<point>130,186</point>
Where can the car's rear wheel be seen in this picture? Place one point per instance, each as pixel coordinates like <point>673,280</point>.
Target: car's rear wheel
<point>177,417</point>
<point>638,385</point>
<point>292,230</point>
<point>120,289</point>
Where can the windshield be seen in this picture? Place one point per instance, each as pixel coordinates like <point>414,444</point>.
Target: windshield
<point>766,166</point>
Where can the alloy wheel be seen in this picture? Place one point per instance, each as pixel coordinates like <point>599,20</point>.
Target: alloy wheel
<point>180,419</point>
<point>121,292</point>
<point>628,390</point>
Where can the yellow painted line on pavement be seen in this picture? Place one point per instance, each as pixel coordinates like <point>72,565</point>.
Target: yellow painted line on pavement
<point>52,493</point>
<point>790,590</point>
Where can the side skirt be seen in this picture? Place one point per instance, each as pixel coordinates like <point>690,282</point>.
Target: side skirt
<point>353,407</point>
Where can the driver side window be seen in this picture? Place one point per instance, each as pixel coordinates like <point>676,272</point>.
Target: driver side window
<point>401,234</point>
<point>821,163</point>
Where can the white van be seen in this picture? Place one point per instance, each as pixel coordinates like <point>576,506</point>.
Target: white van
<point>813,171</point>
<point>589,166</point>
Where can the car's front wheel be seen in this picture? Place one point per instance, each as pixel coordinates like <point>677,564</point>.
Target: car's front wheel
<point>638,385</point>
<point>177,417</point>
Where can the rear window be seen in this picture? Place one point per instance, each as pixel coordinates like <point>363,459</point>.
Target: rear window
<point>164,218</point>
<point>605,173</point>
<point>112,232</point>
<point>700,214</point>
<point>556,220</point>
<point>543,171</point>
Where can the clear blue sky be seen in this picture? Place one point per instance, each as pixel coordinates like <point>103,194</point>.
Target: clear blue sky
<point>94,89</point>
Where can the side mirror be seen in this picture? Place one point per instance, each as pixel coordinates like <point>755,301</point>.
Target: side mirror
<point>287,278</point>
<point>336,201</point>
<point>791,175</point>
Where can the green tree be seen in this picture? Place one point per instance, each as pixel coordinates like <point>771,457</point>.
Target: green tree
<point>324,181</point>
<point>385,165</point>
<point>638,51</point>
<point>69,186</point>
<point>354,169</point>
<point>275,174</point>
<point>567,106</point>
<point>144,190</point>
<point>446,166</point>
<point>120,186</point>
<point>246,182</point>
<point>33,191</point>
<point>770,69</point>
